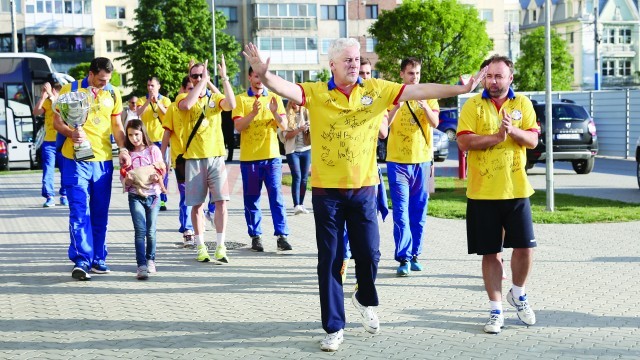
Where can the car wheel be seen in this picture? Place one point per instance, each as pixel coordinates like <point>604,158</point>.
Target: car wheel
<point>583,166</point>
<point>529,165</point>
<point>440,158</point>
<point>451,134</point>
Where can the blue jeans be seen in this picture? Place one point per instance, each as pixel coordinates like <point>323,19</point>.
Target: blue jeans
<point>333,209</point>
<point>409,190</point>
<point>165,180</point>
<point>184,212</point>
<point>88,186</point>
<point>144,213</point>
<point>49,160</point>
<point>254,173</point>
<point>299,163</point>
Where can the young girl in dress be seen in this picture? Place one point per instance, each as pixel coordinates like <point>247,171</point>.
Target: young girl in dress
<point>144,210</point>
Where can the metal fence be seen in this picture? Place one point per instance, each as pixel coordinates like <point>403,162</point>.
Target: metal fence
<point>615,112</point>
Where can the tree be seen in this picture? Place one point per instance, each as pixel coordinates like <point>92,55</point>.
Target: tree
<point>530,73</point>
<point>182,27</point>
<point>81,71</point>
<point>448,37</point>
<point>324,75</point>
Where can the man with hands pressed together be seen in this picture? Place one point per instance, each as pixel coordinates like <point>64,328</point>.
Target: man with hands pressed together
<point>345,115</point>
<point>496,127</point>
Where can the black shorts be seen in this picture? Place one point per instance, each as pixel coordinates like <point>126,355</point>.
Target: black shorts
<point>487,218</point>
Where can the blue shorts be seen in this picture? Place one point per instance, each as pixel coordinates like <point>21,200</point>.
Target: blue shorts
<point>487,218</point>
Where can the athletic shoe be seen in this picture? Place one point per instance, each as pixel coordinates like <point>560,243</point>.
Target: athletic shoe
<point>189,239</point>
<point>297,210</point>
<point>525,312</point>
<point>64,201</point>
<point>49,203</point>
<point>151,267</point>
<point>304,209</point>
<point>203,254</point>
<point>99,267</point>
<point>343,270</point>
<point>403,269</point>
<point>369,318</point>
<point>495,323</point>
<point>209,217</point>
<point>332,341</point>
<point>143,273</point>
<point>283,244</point>
<point>221,254</point>
<point>256,243</point>
<point>415,264</point>
<point>163,206</point>
<point>81,272</point>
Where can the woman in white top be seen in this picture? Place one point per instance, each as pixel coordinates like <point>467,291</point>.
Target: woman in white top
<point>297,147</point>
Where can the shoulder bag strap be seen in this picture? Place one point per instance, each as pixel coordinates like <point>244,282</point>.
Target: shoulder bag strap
<point>195,128</point>
<point>417,121</point>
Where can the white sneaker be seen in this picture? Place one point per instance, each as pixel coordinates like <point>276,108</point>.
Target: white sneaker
<point>525,312</point>
<point>297,210</point>
<point>304,209</point>
<point>332,341</point>
<point>495,323</point>
<point>142,273</point>
<point>369,319</point>
<point>151,266</point>
<point>189,239</point>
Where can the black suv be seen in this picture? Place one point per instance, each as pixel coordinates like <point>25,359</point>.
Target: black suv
<point>574,136</point>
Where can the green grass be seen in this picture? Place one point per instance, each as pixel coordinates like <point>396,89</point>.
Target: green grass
<point>450,202</point>
<point>15,172</point>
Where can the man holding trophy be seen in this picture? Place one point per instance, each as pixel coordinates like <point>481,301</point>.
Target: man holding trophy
<point>91,108</point>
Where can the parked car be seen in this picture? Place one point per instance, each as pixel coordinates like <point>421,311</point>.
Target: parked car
<point>440,146</point>
<point>574,136</point>
<point>638,160</point>
<point>4,153</point>
<point>448,122</point>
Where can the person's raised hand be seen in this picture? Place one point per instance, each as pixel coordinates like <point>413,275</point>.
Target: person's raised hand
<point>252,55</point>
<point>222,67</point>
<point>273,105</point>
<point>205,72</point>
<point>473,82</point>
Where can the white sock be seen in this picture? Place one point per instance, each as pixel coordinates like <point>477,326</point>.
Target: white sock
<point>495,305</point>
<point>220,238</point>
<point>199,239</point>
<point>517,291</point>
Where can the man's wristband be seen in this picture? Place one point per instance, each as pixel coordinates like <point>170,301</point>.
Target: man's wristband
<point>224,78</point>
<point>124,150</point>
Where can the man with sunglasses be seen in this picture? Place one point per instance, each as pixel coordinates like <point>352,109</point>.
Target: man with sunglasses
<point>151,110</point>
<point>131,112</point>
<point>200,111</point>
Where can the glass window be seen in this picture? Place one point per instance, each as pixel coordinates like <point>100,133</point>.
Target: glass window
<point>30,9</point>
<point>47,7</point>
<point>282,10</point>
<point>40,7</point>
<point>276,43</point>
<point>486,14</point>
<point>77,7</point>
<point>512,16</point>
<point>312,10</point>
<point>293,10</point>
<point>265,43</point>
<point>289,43</point>
<point>108,45</point>
<point>263,10</point>
<point>67,7</point>
<point>112,12</point>
<point>57,7</point>
<point>87,6</point>
<point>121,13</point>
<point>371,11</point>
<point>312,44</point>
<point>230,12</point>
<point>607,68</point>
<point>371,44</point>
<point>624,68</point>
<point>273,10</point>
<point>332,12</point>
<point>324,45</point>
<point>301,43</point>
<point>624,36</point>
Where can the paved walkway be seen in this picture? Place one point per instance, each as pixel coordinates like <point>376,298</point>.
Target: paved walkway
<point>265,306</point>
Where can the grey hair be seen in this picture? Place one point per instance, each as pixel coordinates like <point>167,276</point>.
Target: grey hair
<point>337,46</point>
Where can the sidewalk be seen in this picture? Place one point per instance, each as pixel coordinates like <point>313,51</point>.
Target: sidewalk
<point>584,289</point>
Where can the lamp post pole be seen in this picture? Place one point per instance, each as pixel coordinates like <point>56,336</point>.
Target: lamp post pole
<point>596,55</point>
<point>14,31</point>
<point>213,36</point>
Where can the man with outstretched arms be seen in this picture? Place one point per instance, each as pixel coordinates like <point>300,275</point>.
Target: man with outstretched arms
<point>496,127</point>
<point>345,116</point>
<point>88,182</point>
<point>204,154</point>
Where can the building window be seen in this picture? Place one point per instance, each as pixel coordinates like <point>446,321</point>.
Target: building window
<point>608,68</point>
<point>5,6</point>
<point>624,36</point>
<point>67,7</point>
<point>286,10</point>
<point>87,6</point>
<point>230,12</point>
<point>332,12</point>
<point>571,38</point>
<point>115,45</point>
<point>624,68</point>
<point>512,16</point>
<point>324,45</point>
<point>40,6</point>
<point>115,12</point>
<point>370,44</point>
<point>287,43</point>
<point>30,9</point>
<point>609,36</point>
<point>486,15</point>
<point>371,11</point>
<point>57,6</point>
<point>535,16</point>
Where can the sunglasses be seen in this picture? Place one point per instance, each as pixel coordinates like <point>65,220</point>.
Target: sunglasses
<point>196,76</point>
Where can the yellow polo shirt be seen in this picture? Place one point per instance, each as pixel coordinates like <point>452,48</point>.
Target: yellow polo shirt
<point>98,126</point>
<point>497,173</point>
<point>152,117</point>
<point>259,141</point>
<point>173,122</point>
<point>49,131</point>
<point>345,131</point>
<point>406,143</point>
<point>208,141</point>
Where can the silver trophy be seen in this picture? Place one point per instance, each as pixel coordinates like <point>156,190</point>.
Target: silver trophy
<point>73,109</point>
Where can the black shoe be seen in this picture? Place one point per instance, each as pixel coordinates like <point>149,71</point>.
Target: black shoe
<point>283,244</point>
<point>163,206</point>
<point>256,244</point>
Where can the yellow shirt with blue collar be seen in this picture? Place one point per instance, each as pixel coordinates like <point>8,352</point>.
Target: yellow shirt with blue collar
<point>173,122</point>
<point>497,173</point>
<point>345,129</point>
<point>152,117</point>
<point>207,141</point>
<point>259,141</point>
<point>105,103</point>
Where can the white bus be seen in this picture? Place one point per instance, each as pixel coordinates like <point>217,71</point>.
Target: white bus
<point>21,79</point>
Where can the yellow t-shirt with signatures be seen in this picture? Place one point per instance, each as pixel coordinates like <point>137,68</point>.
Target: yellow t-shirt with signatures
<point>259,141</point>
<point>406,143</point>
<point>173,122</point>
<point>208,141</point>
<point>152,117</point>
<point>345,131</point>
<point>98,125</point>
<point>497,173</point>
<point>50,132</point>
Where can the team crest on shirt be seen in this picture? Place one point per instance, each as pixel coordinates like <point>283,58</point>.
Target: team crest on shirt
<point>212,104</point>
<point>366,100</point>
<point>516,115</point>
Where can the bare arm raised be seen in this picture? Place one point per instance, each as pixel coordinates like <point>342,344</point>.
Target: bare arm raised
<point>272,81</point>
<point>439,91</point>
